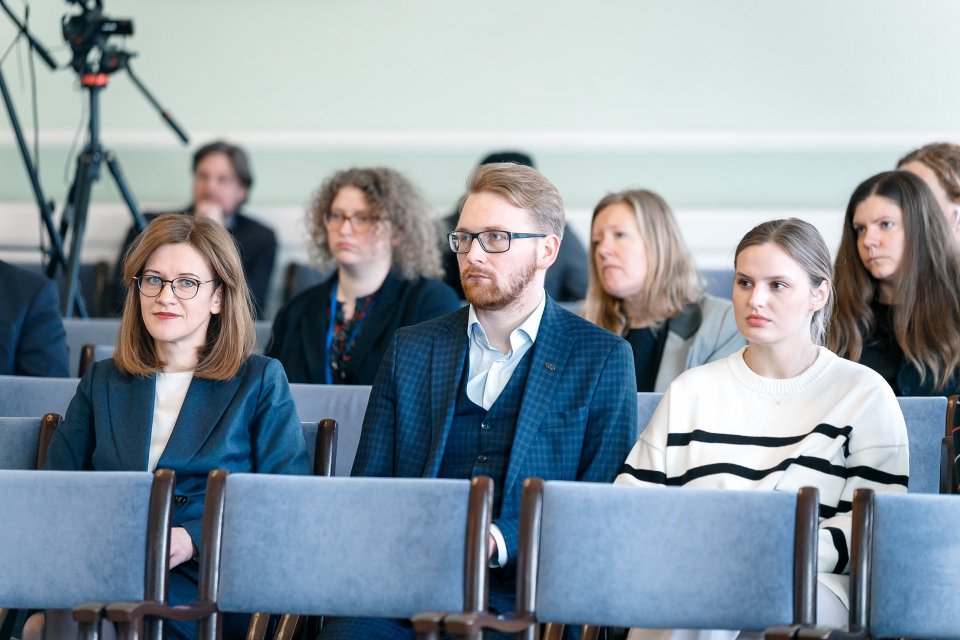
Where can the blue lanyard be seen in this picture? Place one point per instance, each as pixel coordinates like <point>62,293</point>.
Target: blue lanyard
<point>327,370</point>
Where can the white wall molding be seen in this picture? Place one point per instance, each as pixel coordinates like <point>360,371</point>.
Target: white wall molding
<point>402,140</point>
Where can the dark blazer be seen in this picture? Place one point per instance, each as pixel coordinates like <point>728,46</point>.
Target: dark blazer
<point>246,424</point>
<point>577,420</point>
<point>300,330</point>
<point>32,339</point>
<point>258,251</point>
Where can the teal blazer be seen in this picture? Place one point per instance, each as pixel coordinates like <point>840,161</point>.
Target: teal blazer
<point>246,424</point>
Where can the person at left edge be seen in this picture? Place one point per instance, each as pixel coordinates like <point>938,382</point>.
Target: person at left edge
<point>32,339</point>
<point>222,180</point>
<point>184,390</point>
<point>373,226</point>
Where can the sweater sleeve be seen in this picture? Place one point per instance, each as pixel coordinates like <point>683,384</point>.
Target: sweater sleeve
<point>646,464</point>
<point>877,458</point>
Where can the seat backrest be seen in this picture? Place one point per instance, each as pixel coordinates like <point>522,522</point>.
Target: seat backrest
<point>300,277</point>
<point>32,396</point>
<point>672,557</point>
<point>81,331</point>
<point>719,282</point>
<point>91,353</point>
<point>344,403</point>
<point>350,546</point>
<point>925,418</point>
<point>646,405</point>
<point>24,441</point>
<point>74,537</point>
<point>915,566</point>
<point>264,330</point>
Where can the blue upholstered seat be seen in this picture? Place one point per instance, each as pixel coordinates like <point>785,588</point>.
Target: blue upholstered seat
<point>29,396</point>
<point>344,403</point>
<point>78,537</point>
<point>646,404</point>
<point>926,420</point>
<point>19,442</point>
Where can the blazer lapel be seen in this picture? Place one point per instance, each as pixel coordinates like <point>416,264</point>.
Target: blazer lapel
<point>202,408</point>
<point>446,369</point>
<point>131,419</point>
<point>381,318</point>
<point>550,353</point>
<point>313,331</point>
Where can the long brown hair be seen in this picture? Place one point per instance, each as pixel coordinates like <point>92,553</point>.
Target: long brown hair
<point>672,281</point>
<point>926,311</point>
<point>230,334</point>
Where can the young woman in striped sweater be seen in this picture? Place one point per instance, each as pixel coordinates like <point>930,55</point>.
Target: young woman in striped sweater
<point>781,413</point>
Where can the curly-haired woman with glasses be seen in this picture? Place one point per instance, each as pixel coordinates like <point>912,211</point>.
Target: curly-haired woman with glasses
<point>373,226</point>
<point>184,390</point>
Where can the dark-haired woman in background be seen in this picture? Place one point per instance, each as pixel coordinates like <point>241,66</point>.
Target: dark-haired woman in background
<point>374,226</point>
<point>644,286</point>
<point>897,277</point>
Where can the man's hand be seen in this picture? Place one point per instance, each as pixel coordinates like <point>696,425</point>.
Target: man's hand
<point>210,209</point>
<point>181,546</point>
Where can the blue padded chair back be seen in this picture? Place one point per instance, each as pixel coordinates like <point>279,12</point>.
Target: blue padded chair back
<point>369,547</point>
<point>915,573</point>
<point>264,330</point>
<point>344,403</point>
<point>19,442</point>
<point>666,557</point>
<point>926,420</point>
<point>72,537</point>
<point>646,405</point>
<point>81,331</point>
<point>29,396</point>
<point>719,282</point>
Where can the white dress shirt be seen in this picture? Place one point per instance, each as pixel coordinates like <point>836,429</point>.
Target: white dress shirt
<point>171,390</point>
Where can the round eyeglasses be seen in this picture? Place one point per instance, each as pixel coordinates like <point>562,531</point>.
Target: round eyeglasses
<point>183,288</point>
<point>490,241</point>
<point>360,222</point>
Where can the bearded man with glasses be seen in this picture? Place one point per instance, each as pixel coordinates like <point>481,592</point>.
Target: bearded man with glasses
<point>511,387</point>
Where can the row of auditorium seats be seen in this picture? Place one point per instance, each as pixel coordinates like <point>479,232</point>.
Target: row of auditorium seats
<point>590,554</point>
<point>928,419</point>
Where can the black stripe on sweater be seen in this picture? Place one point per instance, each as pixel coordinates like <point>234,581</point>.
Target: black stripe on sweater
<point>699,435</point>
<point>875,475</point>
<point>827,511</point>
<point>645,475</point>
<point>840,543</point>
<point>816,464</point>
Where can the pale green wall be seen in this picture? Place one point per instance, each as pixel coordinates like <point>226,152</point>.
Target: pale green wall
<point>512,68</point>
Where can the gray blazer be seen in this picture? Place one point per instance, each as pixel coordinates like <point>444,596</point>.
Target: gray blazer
<point>704,332</point>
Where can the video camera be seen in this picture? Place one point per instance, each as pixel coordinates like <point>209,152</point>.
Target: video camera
<point>89,30</point>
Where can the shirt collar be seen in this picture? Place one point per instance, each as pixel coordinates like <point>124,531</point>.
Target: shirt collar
<point>528,328</point>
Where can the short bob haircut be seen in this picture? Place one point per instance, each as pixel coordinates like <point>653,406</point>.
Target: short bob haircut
<point>402,211</point>
<point>230,334</point>
<point>926,311</point>
<point>672,281</point>
<point>525,188</point>
<point>803,243</point>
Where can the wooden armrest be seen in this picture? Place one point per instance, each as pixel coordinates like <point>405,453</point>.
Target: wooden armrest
<point>89,612</point>
<point>829,633</point>
<point>133,611</point>
<point>467,623</point>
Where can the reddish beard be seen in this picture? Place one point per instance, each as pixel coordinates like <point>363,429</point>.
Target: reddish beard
<point>490,294</point>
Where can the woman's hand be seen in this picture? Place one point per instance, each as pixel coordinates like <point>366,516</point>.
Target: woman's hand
<point>181,546</point>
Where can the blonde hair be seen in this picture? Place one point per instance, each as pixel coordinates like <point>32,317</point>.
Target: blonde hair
<point>672,280</point>
<point>943,159</point>
<point>392,198</point>
<point>525,188</point>
<point>230,334</point>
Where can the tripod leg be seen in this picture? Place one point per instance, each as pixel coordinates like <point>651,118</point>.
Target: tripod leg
<point>114,166</point>
<point>87,172</point>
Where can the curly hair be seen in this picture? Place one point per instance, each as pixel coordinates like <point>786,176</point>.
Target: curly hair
<point>397,203</point>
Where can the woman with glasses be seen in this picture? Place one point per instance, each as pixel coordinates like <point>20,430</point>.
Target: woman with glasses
<point>184,390</point>
<point>373,226</point>
<point>644,286</point>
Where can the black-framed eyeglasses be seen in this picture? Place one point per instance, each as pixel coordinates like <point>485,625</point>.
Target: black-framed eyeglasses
<point>183,288</point>
<point>495,241</point>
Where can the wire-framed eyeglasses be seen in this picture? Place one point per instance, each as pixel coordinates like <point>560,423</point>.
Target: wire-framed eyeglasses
<point>361,222</point>
<point>494,241</point>
<point>183,288</point>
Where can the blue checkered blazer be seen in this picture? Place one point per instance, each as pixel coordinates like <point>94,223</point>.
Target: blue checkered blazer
<point>577,421</point>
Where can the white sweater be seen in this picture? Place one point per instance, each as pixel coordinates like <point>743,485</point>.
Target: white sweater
<point>837,426</point>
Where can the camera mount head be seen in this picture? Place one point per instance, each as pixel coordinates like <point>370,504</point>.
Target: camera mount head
<point>87,33</point>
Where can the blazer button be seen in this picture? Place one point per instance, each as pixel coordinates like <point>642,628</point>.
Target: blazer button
<point>485,427</point>
<point>179,499</point>
<point>481,458</point>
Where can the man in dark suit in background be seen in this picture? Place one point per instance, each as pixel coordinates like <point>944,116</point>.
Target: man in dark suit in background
<point>32,339</point>
<point>222,180</point>
<point>567,279</point>
<point>511,387</point>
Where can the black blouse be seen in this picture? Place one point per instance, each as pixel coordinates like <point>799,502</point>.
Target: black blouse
<point>647,345</point>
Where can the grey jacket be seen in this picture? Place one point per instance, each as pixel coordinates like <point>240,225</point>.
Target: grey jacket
<point>703,332</point>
